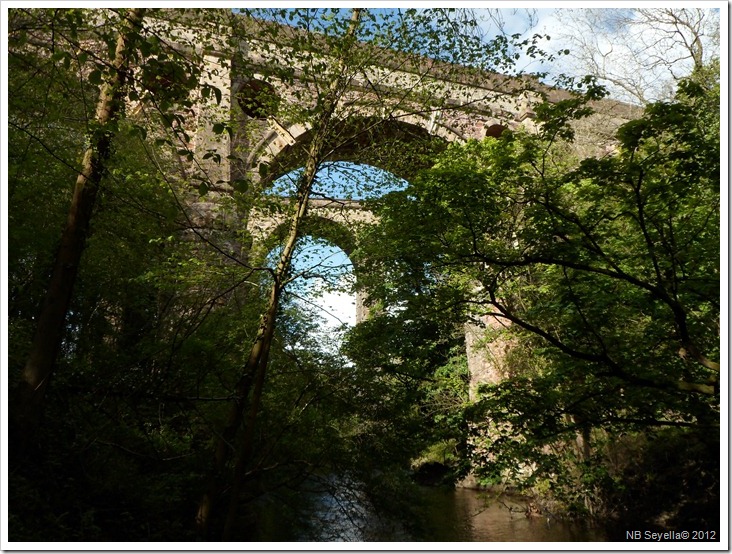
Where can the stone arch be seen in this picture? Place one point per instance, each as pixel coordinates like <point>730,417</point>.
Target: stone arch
<point>333,220</point>
<point>373,141</point>
<point>268,232</point>
<point>324,222</point>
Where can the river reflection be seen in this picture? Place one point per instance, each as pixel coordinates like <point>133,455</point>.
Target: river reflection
<point>435,515</point>
<point>469,515</point>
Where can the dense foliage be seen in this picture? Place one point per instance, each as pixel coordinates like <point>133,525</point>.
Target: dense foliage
<point>145,403</point>
<point>602,276</point>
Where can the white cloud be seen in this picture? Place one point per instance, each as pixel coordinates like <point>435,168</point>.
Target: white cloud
<point>337,308</point>
<point>640,50</point>
<point>327,294</point>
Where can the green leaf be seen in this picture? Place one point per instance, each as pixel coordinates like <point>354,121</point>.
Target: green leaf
<point>95,77</point>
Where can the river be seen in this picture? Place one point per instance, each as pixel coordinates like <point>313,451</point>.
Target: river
<point>435,515</point>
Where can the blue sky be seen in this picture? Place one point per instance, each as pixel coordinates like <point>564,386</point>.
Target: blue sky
<point>331,295</point>
<point>344,180</point>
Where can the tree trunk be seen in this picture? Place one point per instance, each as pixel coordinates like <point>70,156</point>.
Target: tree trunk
<point>27,400</point>
<point>254,371</point>
<point>256,368</point>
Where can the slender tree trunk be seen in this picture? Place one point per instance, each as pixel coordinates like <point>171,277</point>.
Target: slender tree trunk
<point>27,398</point>
<point>255,370</point>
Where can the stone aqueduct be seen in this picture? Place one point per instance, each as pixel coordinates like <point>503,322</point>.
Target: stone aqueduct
<point>470,106</point>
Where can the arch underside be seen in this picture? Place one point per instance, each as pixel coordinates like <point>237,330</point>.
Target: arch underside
<point>334,222</point>
<point>339,233</point>
<point>395,146</point>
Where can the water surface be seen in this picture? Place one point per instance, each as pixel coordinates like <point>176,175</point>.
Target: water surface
<point>433,515</point>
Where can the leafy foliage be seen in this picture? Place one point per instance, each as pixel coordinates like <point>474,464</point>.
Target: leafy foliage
<point>606,269</point>
<point>166,304</point>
